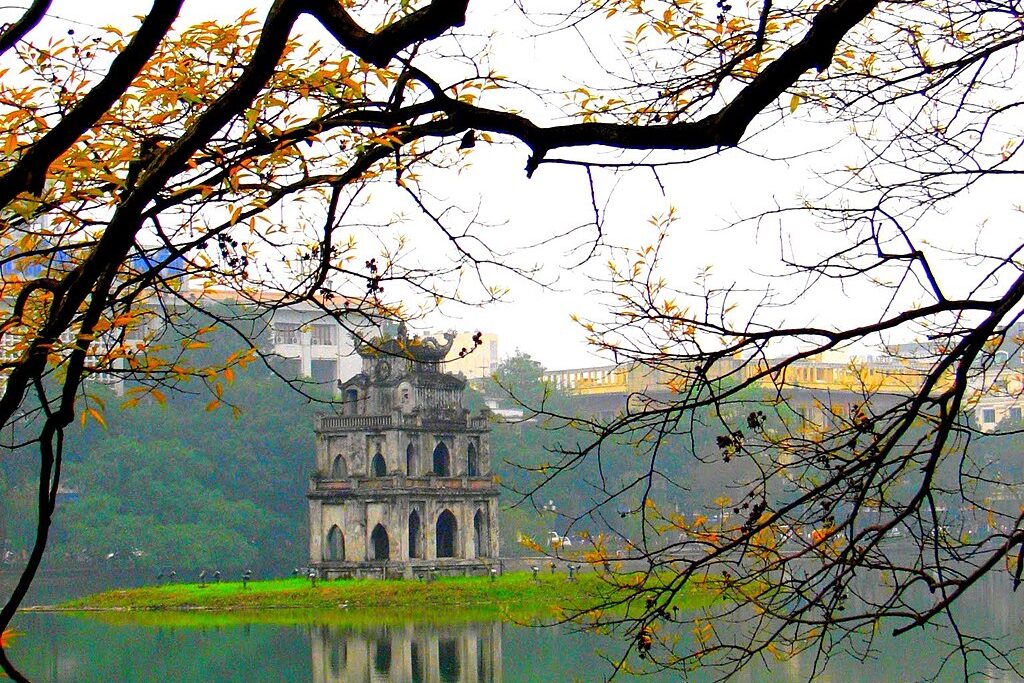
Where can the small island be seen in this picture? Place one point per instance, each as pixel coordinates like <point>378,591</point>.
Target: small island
<point>518,596</point>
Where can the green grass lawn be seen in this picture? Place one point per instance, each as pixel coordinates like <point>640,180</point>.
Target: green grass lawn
<point>515,595</point>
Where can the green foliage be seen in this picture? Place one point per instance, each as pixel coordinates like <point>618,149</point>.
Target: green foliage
<point>193,488</point>
<point>518,378</point>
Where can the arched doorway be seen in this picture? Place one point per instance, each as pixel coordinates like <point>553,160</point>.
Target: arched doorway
<point>442,460</point>
<point>339,470</point>
<point>410,461</point>
<point>379,544</point>
<point>480,533</point>
<point>379,467</point>
<point>473,464</point>
<point>415,544</point>
<point>447,529</point>
<point>335,550</point>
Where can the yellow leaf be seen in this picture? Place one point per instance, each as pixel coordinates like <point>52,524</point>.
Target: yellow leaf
<point>528,542</point>
<point>794,102</point>
<point>213,405</point>
<point>160,398</point>
<point>96,415</point>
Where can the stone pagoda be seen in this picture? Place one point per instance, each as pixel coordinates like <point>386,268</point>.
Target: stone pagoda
<point>403,483</point>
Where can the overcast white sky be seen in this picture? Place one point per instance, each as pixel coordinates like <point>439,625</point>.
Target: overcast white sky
<point>536,318</point>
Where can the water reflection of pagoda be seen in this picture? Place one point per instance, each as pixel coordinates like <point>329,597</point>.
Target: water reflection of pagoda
<point>469,653</point>
<point>403,482</point>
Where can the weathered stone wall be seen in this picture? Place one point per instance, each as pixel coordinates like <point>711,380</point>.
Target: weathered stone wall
<point>357,520</point>
<point>397,403</point>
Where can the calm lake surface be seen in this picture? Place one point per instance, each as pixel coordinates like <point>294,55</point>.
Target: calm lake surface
<point>59,648</point>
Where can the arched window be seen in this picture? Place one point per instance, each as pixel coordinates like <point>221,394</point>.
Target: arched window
<point>410,461</point>
<point>380,468</point>
<point>447,529</point>
<point>351,401</point>
<point>415,545</point>
<point>442,460</point>
<point>480,533</point>
<point>338,468</point>
<point>335,550</point>
<point>379,544</point>
<point>473,462</point>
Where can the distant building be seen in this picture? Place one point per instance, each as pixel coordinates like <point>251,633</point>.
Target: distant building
<point>504,414</point>
<point>322,349</point>
<point>403,482</point>
<point>999,400</point>
<point>318,342</point>
<point>823,389</point>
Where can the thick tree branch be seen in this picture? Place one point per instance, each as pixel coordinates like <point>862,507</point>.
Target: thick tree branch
<point>381,47</point>
<point>12,33</point>
<point>722,129</point>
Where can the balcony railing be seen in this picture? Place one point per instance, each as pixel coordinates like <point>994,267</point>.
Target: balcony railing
<point>401,482</point>
<point>327,423</point>
<point>330,423</point>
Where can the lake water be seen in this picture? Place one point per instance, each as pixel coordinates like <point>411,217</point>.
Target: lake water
<point>60,648</point>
